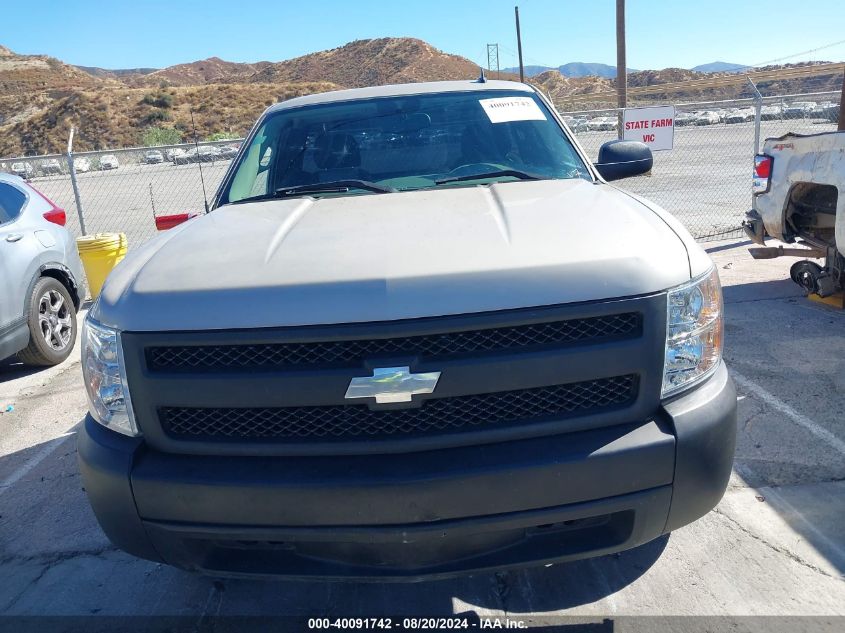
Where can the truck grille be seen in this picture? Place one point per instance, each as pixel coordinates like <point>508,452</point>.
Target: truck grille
<point>321,423</point>
<point>346,353</point>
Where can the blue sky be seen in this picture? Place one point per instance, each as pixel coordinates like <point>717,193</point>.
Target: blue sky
<point>157,33</point>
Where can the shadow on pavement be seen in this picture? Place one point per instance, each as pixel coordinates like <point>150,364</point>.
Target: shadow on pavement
<point>758,290</point>
<point>11,368</point>
<point>727,247</point>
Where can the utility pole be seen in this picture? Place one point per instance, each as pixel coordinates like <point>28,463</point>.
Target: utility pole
<point>841,125</point>
<point>519,45</point>
<point>621,66</point>
<point>493,59</point>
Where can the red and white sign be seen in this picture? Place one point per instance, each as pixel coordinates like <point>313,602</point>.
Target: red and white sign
<point>654,126</point>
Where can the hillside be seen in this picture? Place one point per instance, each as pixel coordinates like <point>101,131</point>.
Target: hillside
<point>206,71</point>
<point>121,73</point>
<point>665,76</point>
<point>580,69</point>
<point>528,70</point>
<point>683,85</point>
<point>34,73</point>
<point>360,63</point>
<point>41,97</point>
<point>119,117</point>
<point>557,86</point>
<point>720,67</point>
<point>573,69</point>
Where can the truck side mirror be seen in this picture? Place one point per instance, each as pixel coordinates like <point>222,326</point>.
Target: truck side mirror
<point>622,159</point>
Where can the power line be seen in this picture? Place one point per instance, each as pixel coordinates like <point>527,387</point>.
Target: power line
<point>780,59</point>
<point>530,59</point>
<point>812,50</point>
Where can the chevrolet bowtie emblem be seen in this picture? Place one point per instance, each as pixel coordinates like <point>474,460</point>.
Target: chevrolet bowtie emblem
<point>392,384</point>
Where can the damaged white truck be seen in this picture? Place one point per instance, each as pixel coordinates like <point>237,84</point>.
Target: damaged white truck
<point>798,185</point>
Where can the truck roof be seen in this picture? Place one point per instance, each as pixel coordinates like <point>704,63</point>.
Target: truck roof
<point>396,90</point>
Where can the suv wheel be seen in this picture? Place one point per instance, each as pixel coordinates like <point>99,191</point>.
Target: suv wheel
<point>52,324</point>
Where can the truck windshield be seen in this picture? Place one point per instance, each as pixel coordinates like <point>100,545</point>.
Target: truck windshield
<point>403,143</point>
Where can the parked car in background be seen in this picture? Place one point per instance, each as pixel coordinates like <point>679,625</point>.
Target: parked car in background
<point>109,161</point>
<point>707,117</point>
<point>201,154</point>
<point>832,113</point>
<point>684,118</point>
<point>740,116</point>
<point>81,165</point>
<point>579,124</point>
<point>40,276</point>
<point>172,153</point>
<point>51,167</point>
<point>771,113</point>
<point>208,153</point>
<point>23,170</point>
<point>227,152</point>
<point>798,109</point>
<point>152,157</point>
<point>602,123</point>
<point>186,157</point>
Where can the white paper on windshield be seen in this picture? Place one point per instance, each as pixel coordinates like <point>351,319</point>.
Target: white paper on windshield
<point>507,109</point>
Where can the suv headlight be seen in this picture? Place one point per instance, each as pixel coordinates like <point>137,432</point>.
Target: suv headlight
<point>105,378</point>
<point>693,333</point>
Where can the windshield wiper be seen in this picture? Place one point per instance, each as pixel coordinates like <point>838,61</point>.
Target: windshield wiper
<point>514,173</point>
<point>334,186</point>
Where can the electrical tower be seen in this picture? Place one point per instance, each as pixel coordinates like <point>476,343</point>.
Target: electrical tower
<point>493,59</point>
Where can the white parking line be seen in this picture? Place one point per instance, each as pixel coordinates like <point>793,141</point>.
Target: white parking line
<point>773,494</point>
<point>31,463</point>
<point>799,418</point>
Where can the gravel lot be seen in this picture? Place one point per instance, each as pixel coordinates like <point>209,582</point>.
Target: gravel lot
<point>774,546</point>
<point>709,195</point>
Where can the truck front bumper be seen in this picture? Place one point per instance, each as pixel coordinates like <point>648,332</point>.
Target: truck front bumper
<point>417,515</point>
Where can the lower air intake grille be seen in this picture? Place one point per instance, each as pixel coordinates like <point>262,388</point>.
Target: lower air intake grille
<point>339,422</point>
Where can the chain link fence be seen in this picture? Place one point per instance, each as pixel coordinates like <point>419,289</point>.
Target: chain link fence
<point>124,190</point>
<point>705,180</point>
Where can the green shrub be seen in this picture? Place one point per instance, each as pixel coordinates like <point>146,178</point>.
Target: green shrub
<point>160,136</point>
<point>221,136</point>
<point>160,100</point>
<point>155,117</point>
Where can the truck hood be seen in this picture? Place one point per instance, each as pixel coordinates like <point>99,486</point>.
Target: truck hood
<point>454,250</point>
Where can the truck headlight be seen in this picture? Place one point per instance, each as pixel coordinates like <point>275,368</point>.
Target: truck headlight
<point>105,378</point>
<point>693,333</point>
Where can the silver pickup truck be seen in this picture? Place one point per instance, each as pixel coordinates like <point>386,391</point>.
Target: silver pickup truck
<point>417,335</point>
<point>799,198</point>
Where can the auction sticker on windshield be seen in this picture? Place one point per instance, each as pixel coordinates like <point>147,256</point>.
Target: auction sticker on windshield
<point>507,109</point>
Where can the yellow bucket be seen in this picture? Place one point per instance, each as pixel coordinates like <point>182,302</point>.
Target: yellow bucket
<point>99,254</point>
